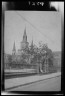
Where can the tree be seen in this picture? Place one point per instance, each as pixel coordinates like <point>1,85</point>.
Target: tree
<point>46,53</point>
<point>9,60</point>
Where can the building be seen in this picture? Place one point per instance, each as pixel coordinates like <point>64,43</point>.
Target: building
<point>14,50</point>
<point>24,48</point>
<point>57,59</point>
<point>28,56</point>
<point>24,44</point>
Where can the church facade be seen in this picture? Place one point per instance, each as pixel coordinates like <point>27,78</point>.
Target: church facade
<point>24,45</point>
<point>24,49</point>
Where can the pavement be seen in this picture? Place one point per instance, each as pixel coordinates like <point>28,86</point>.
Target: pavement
<point>52,84</point>
<point>19,70</point>
<point>15,82</point>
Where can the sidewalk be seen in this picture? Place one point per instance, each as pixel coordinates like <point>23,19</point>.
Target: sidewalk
<point>21,70</point>
<point>11,83</point>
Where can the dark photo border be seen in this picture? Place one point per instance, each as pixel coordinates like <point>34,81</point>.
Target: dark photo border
<point>25,6</point>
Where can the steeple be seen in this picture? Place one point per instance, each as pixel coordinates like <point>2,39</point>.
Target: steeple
<point>14,49</point>
<point>32,43</point>
<point>25,36</point>
<point>31,47</point>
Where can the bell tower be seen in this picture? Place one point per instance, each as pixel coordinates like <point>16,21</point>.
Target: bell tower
<point>14,49</point>
<point>32,47</point>
<point>24,43</point>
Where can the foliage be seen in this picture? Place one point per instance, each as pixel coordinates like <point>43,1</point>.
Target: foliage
<point>33,56</point>
<point>9,58</point>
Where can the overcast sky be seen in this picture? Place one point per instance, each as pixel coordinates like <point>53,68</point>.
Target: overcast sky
<point>40,25</point>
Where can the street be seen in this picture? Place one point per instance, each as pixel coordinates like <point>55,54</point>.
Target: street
<point>51,84</point>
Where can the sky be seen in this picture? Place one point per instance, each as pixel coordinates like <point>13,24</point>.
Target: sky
<point>42,26</point>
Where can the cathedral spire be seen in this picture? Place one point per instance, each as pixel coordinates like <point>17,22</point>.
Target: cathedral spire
<point>32,47</point>
<point>14,49</point>
<point>32,43</point>
<point>25,36</point>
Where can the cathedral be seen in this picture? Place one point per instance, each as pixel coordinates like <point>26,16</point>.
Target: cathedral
<point>24,47</point>
<point>27,57</point>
